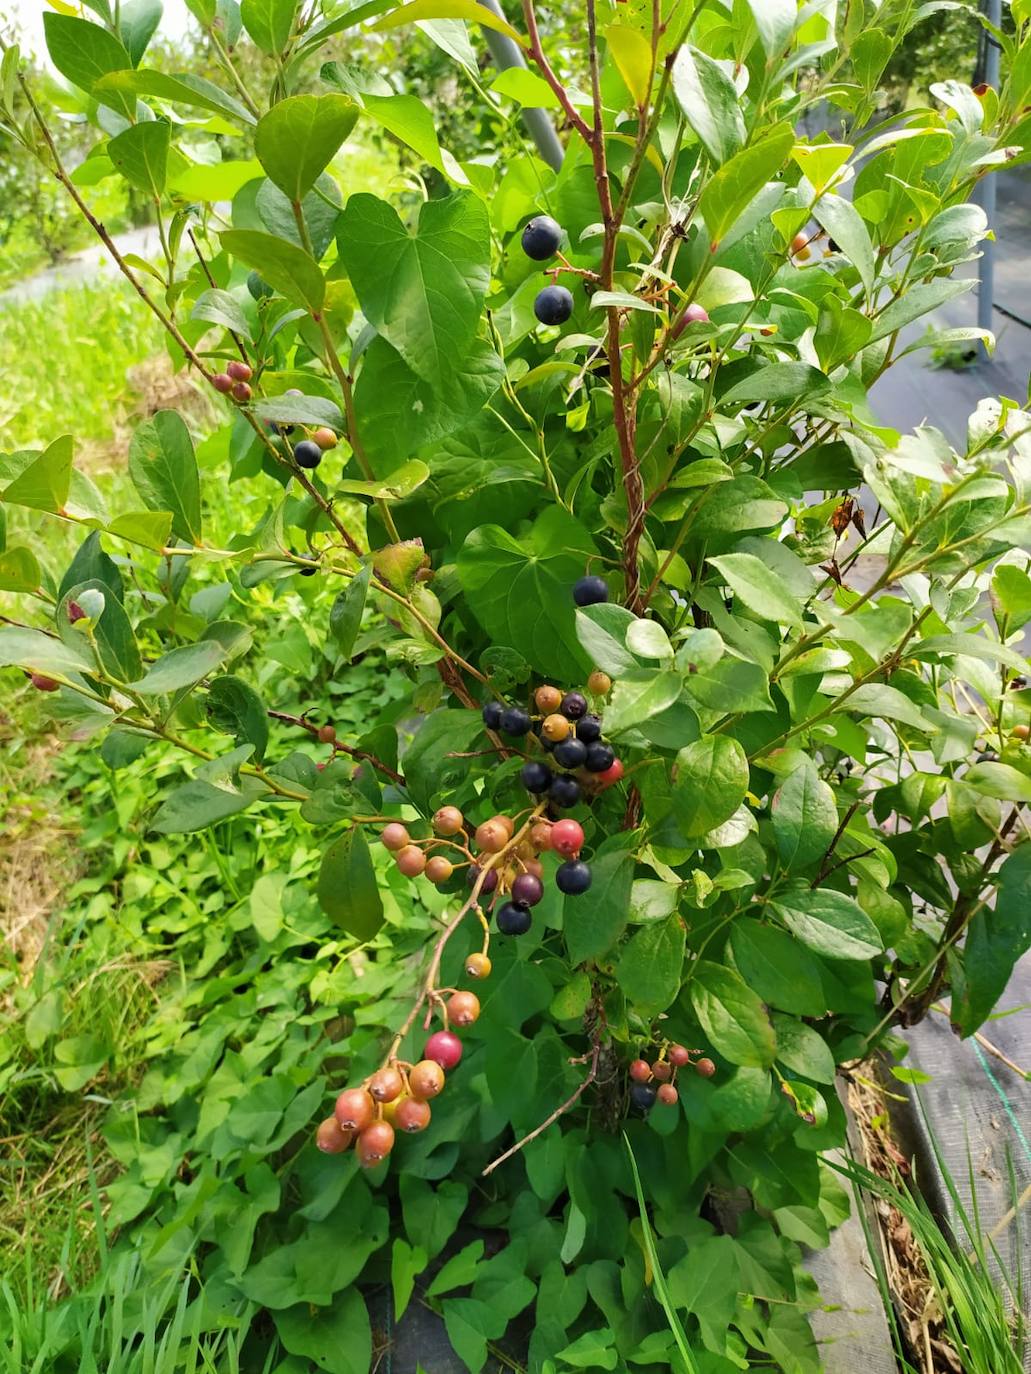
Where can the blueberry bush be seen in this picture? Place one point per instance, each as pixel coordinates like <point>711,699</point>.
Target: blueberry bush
<point>710,767</point>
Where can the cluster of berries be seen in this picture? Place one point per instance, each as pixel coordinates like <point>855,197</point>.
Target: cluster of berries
<point>664,1073</point>
<point>234,381</point>
<point>397,1097</point>
<point>541,239</point>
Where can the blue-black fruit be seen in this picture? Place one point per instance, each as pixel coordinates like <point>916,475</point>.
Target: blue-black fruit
<point>590,591</point>
<point>514,919</point>
<point>573,877</point>
<point>564,792</point>
<point>541,238</point>
<point>515,721</point>
<point>600,758</point>
<point>535,776</point>
<point>570,753</point>
<point>642,1095</point>
<point>553,305</point>
<point>492,715</point>
<point>307,454</point>
<point>574,705</point>
<point>588,728</point>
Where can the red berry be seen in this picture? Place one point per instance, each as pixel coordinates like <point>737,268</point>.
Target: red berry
<point>412,1115</point>
<point>222,382</point>
<point>705,1068</point>
<point>386,1084</point>
<point>411,861</point>
<point>426,1079</point>
<point>395,836</point>
<point>445,1048</point>
<point>75,612</point>
<point>611,775</point>
<point>678,1056</point>
<point>240,372</point>
<point>640,1071</point>
<point>662,1070</point>
<point>327,734</point>
<point>354,1109</point>
<point>448,821</point>
<point>375,1143</point>
<point>567,838</point>
<point>668,1095</point>
<point>439,869</point>
<point>478,966</point>
<point>241,392</point>
<point>42,683</point>
<point>331,1138</point>
<point>463,1008</point>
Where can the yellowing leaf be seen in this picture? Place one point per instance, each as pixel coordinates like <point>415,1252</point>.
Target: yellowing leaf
<point>449,9</point>
<point>632,54</point>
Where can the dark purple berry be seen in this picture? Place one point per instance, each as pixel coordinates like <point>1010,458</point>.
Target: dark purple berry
<point>527,889</point>
<point>535,776</point>
<point>309,572</point>
<point>642,1095</point>
<point>588,729</point>
<point>600,758</point>
<point>564,792</point>
<point>307,454</point>
<point>515,721</point>
<point>573,877</point>
<point>489,883</point>
<point>492,715</point>
<point>514,920</point>
<point>574,705</point>
<point>541,238</point>
<point>590,591</point>
<point>553,305</point>
<point>571,752</point>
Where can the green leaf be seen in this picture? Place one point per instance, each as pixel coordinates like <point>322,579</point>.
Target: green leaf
<point>408,119</point>
<point>221,307</point>
<point>805,817</point>
<point>710,103</point>
<point>287,269</point>
<point>803,1050</point>
<point>347,889</point>
<point>45,483</point>
<point>592,1350</point>
<point>45,1019</point>
<point>431,1213</point>
<point>84,52</point>
<point>602,631</point>
<point>345,615</point>
<point>150,529</point>
<point>592,924</point>
<point>845,225</point>
<point>40,653</point>
<point>422,292</point>
<point>819,162</point>
<point>648,639</point>
<point>235,708</point>
<point>300,410</point>
<point>459,1271</point>
<point>732,1016</point>
<point>999,934</point>
<point>112,631</point>
<point>828,923</point>
<point>775,20</point>
<point>732,684</point>
<point>299,137</point>
<point>711,779</point>
<point>320,209</point>
<point>395,486</point>
<point>266,903</point>
<point>778,967</point>
<point>639,695</point>
<point>520,591</point>
<point>337,1338</point>
<point>760,587</point>
<point>779,382</point>
<point>526,88</point>
<point>916,301</point>
<point>269,22</point>
<point>19,570</point>
<point>138,21</point>
<point>878,699</point>
<point>428,769</point>
<point>1011,590</point>
<point>179,668</point>
<point>470,1323</point>
<point>728,193</point>
<point>999,780</point>
<point>419,10</point>
<point>406,1264</point>
<point>141,155</point>
<point>182,89</point>
<point>650,966</point>
<point>164,472</point>
<point>213,182</point>
<point>198,804</point>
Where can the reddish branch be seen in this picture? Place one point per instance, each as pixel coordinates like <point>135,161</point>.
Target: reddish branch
<point>362,755</point>
<point>559,1111</point>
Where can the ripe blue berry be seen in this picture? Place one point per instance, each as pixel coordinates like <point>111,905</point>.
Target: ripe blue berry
<point>541,238</point>
<point>527,889</point>
<point>514,920</point>
<point>492,715</point>
<point>590,591</point>
<point>600,758</point>
<point>308,572</point>
<point>536,777</point>
<point>307,454</point>
<point>588,728</point>
<point>515,721</point>
<point>574,705</point>
<point>553,305</point>
<point>571,752</point>
<point>642,1095</point>
<point>564,792</point>
<point>573,877</point>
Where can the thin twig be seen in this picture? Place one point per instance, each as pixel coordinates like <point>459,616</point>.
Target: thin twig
<point>842,827</point>
<point>559,1111</point>
<point>537,53</point>
<point>361,754</point>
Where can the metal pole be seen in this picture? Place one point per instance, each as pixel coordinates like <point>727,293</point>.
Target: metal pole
<point>507,54</point>
<point>986,291</point>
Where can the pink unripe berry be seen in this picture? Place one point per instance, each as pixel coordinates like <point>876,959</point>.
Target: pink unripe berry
<point>444,1048</point>
<point>222,382</point>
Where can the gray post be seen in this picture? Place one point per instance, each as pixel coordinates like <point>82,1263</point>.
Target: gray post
<point>986,291</point>
<point>507,54</point>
